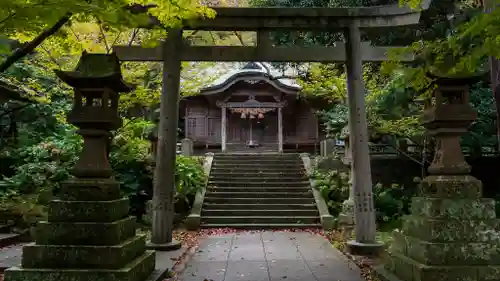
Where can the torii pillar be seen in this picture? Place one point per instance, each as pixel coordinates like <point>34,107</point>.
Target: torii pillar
<point>365,243</point>
<point>166,149</point>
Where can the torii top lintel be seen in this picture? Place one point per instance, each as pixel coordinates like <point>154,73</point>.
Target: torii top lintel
<point>252,19</point>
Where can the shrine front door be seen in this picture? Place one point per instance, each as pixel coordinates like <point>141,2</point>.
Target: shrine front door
<point>253,134</point>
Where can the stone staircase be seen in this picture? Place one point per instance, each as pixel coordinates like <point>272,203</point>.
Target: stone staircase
<point>259,191</point>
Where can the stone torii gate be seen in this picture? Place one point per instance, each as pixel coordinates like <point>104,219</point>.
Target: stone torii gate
<point>264,20</point>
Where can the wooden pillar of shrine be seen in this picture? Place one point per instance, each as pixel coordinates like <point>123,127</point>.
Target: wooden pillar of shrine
<point>164,175</point>
<point>280,129</point>
<point>358,138</point>
<point>223,128</point>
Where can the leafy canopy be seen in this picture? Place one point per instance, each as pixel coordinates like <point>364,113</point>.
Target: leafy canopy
<point>32,16</point>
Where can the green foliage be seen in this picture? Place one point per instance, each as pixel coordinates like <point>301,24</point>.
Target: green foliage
<point>335,119</point>
<point>391,202</point>
<point>46,148</point>
<point>42,166</point>
<point>482,133</point>
<point>190,177</point>
<point>334,187</point>
<point>30,17</point>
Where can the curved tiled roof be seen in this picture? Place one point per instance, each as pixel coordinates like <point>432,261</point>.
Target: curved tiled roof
<point>252,71</point>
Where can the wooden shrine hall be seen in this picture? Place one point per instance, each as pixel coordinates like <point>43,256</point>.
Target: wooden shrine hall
<point>250,110</point>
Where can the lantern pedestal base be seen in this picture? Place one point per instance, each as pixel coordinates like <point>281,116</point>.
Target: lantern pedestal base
<point>450,234</point>
<point>172,246</point>
<point>88,235</point>
<point>137,270</point>
<point>364,249</point>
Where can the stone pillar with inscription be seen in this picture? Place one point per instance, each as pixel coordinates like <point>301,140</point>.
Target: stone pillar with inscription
<point>365,243</point>
<point>89,234</point>
<point>452,232</point>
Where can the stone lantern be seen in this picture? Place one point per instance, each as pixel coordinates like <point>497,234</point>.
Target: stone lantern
<point>451,233</point>
<point>89,234</point>
<point>447,119</point>
<point>97,82</point>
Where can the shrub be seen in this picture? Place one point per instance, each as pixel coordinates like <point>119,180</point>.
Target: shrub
<point>391,202</point>
<point>40,168</point>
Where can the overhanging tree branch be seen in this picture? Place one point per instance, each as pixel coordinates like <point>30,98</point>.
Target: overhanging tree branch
<point>30,47</point>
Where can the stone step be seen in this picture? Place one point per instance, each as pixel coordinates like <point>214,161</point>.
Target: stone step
<point>230,183</point>
<point>261,225</point>
<point>258,156</point>
<point>245,173</point>
<point>211,206</point>
<point>258,165</point>
<point>249,212</point>
<point>229,177</point>
<point>258,189</point>
<point>260,219</point>
<point>256,169</point>
<point>7,239</point>
<point>258,195</point>
<point>258,162</point>
<point>236,200</point>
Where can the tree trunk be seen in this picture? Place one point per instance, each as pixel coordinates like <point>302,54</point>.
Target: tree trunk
<point>30,47</point>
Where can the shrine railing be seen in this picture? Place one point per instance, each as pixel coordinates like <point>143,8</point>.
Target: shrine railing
<point>415,150</point>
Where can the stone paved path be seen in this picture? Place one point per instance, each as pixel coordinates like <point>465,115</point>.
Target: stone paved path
<point>11,255</point>
<point>269,256</point>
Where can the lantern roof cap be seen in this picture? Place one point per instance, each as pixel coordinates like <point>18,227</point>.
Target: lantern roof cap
<point>456,80</point>
<point>96,71</point>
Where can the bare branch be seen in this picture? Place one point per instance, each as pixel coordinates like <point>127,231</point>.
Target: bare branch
<point>74,33</point>
<point>192,34</point>
<point>213,38</point>
<point>239,38</point>
<point>116,39</point>
<point>50,56</point>
<point>101,31</point>
<point>134,34</point>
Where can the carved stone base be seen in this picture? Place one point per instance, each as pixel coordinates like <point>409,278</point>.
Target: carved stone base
<point>364,249</point>
<point>450,235</point>
<point>172,246</point>
<point>88,236</point>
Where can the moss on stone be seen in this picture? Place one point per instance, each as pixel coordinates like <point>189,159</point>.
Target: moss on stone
<point>85,233</point>
<point>90,190</point>
<point>88,211</point>
<point>137,270</point>
<point>99,257</point>
<point>451,186</point>
<point>456,208</point>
